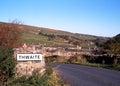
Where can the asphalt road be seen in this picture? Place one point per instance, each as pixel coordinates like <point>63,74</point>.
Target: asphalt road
<point>77,75</point>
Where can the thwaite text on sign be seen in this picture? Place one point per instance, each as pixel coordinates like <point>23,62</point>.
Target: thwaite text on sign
<point>29,57</point>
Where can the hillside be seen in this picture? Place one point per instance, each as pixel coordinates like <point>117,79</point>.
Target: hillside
<point>113,45</point>
<point>51,37</point>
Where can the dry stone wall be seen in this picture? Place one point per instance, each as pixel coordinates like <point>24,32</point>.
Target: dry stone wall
<point>29,67</point>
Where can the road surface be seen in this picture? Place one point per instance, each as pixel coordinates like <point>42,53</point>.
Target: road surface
<point>77,75</point>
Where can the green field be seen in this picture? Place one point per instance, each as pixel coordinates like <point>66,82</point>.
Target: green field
<point>51,37</point>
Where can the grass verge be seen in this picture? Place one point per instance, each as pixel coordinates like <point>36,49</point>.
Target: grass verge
<point>48,79</point>
<point>111,67</point>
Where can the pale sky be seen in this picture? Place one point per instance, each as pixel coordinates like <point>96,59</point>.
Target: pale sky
<point>94,17</point>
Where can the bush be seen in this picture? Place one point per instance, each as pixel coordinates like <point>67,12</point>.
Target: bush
<point>9,35</point>
<point>49,71</point>
<point>48,79</point>
<point>77,59</point>
<point>9,38</point>
<point>7,64</point>
<point>53,58</point>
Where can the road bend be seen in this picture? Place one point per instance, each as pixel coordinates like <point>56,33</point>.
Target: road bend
<point>78,75</point>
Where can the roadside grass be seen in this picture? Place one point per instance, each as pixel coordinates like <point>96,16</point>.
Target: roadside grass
<point>101,62</point>
<point>112,67</point>
<point>50,78</point>
<point>106,66</point>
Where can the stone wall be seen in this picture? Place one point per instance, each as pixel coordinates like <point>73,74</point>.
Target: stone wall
<point>29,67</point>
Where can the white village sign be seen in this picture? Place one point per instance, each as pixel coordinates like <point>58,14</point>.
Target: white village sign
<point>29,57</point>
